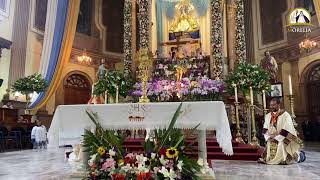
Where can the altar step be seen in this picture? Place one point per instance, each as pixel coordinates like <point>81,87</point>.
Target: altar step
<point>241,151</point>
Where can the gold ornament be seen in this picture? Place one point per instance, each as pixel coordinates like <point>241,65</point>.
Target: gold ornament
<point>145,62</point>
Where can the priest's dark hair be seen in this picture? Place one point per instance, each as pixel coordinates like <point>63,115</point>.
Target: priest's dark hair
<point>276,99</point>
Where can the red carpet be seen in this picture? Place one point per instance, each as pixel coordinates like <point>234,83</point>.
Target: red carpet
<point>241,151</point>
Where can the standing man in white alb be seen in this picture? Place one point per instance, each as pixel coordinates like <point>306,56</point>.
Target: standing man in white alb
<point>39,136</point>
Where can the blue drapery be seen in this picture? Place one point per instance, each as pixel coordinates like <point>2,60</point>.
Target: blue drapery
<point>60,22</point>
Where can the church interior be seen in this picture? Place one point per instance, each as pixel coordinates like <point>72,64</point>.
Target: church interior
<point>159,89</point>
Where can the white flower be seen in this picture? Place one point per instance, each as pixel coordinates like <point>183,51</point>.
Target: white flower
<point>180,164</point>
<point>200,162</point>
<point>163,161</point>
<point>168,174</point>
<point>92,159</point>
<point>153,155</point>
<point>142,168</point>
<point>141,159</point>
<point>112,153</point>
<point>126,168</point>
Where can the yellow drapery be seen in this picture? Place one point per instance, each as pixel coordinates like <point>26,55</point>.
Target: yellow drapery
<point>70,30</point>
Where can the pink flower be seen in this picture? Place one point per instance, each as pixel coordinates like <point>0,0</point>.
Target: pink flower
<point>109,163</point>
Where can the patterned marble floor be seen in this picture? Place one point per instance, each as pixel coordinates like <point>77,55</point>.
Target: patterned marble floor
<point>50,165</point>
<point>245,170</point>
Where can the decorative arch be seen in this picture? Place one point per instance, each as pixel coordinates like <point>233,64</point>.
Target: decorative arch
<point>77,88</point>
<point>310,84</point>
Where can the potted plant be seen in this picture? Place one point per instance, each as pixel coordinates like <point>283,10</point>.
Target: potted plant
<point>29,85</point>
<point>112,81</point>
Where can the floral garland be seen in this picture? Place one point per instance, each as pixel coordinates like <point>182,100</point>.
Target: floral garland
<point>144,23</point>
<point>240,46</point>
<point>127,49</point>
<point>216,39</point>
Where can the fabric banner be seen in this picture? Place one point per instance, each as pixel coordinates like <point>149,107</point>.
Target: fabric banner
<point>61,21</point>
<point>317,8</point>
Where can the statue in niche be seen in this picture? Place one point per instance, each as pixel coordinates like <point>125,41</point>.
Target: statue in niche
<point>269,64</point>
<point>184,20</point>
<point>102,70</point>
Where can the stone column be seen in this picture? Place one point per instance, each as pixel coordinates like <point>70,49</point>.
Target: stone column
<point>231,31</point>
<point>19,39</point>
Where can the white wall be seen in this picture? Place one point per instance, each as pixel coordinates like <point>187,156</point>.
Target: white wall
<point>6,25</point>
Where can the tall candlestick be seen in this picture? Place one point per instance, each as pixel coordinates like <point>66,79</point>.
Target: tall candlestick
<point>106,97</point>
<point>251,95</point>
<point>264,99</point>
<point>236,93</point>
<point>92,89</point>
<point>290,85</point>
<point>117,94</point>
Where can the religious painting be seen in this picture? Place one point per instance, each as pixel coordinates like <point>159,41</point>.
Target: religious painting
<point>277,90</point>
<point>4,8</point>
<point>40,14</point>
<point>84,17</point>
<point>271,20</point>
<point>112,12</point>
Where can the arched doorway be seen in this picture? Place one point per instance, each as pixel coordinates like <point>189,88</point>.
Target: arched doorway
<point>77,89</point>
<point>313,89</point>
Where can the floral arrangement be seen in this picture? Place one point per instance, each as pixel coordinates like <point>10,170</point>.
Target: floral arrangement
<point>216,38</point>
<point>166,68</point>
<point>240,32</point>
<point>30,84</point>
<point>144,23</point>
<point>188,90</point>
<point>247,75</point>
<point>127,35</point>
<point>164,155</point>
<point>111,81</point>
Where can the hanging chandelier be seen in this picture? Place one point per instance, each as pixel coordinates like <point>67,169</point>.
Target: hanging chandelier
<point>307,45</point>
<point>84,58</point>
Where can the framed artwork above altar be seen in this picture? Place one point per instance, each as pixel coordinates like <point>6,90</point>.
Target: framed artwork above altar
<point>277,90</point>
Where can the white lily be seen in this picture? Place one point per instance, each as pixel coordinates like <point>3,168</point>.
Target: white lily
<point>200,162</point>
<point>180,164</point>
<point>141,159</point>
<point>163,161</point>
<point>92,159</point>
<point>112,152</point>
<point>168,174</point>
<point>153,155</point>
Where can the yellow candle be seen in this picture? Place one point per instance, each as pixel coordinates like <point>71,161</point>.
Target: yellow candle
<point>251,95</point>
<point>290,85</point>
<point>264,99</point>
<point>117,94</point>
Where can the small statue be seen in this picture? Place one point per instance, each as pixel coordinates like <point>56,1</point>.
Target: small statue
<point>269,64</point>
<point>7,95</point>
<point>102,70</point>
<point>184,20</point>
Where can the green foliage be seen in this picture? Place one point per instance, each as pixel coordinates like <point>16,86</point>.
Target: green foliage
<point>101,137</point>
<point>30,84</point>
<point>111,81</point>
<point>247,75</point>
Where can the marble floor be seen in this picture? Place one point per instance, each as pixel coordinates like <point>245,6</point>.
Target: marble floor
<point>50,165</point>
<point>248,170</point>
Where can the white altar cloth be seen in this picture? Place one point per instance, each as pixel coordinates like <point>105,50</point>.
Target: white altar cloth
<point>69,121</point>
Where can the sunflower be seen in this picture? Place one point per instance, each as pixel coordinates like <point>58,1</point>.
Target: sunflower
<point>172,153</point>
<point>101,151</point>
